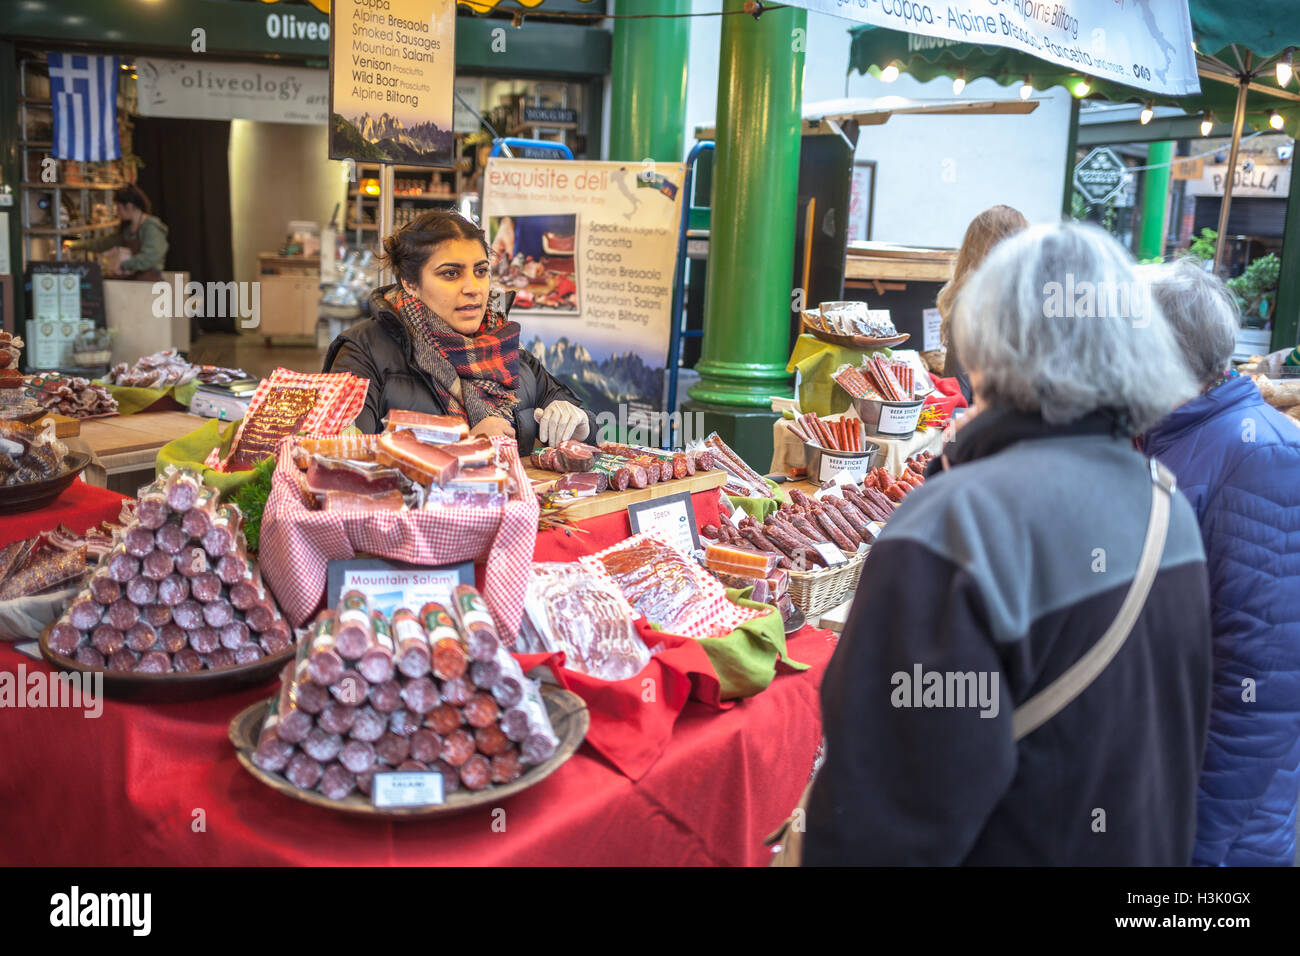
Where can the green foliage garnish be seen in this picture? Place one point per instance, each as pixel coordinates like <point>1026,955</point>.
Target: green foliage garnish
<point>251,497</point>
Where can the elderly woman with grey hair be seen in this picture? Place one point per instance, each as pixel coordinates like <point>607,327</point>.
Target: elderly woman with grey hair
<point>1238,461</point>
<point>1049,549</point>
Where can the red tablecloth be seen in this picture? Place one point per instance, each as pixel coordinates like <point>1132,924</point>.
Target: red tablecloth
<point>127,788</point>
<point>82,506</point>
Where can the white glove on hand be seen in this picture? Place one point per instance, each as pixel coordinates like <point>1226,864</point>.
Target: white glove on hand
<point>560,421</point>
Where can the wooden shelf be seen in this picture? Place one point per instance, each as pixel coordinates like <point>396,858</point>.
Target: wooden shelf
<point>70,231</point>
<point>400,196</point>
<point>53,186</point>
<point>36,144</point>
<point>353,225</point>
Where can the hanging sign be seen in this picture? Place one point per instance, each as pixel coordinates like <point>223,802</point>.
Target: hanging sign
<point>1101,175</point>
<point>211,90</point>
<point>392,81</point>
<point>590,249</point>
<point>1146,45</point>
<point>1271,181</point>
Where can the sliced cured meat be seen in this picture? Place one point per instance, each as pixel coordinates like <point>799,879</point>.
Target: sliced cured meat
<point>439,428</point>
<point>423,463</point>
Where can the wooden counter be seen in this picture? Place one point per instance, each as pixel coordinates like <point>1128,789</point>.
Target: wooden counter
<point>608,502</point>
<point>125,448</point>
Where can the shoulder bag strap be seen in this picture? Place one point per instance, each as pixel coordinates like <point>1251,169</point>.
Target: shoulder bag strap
<point>1049,701</point>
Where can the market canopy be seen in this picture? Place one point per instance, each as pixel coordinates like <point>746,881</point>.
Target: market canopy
<point>1146,44</point>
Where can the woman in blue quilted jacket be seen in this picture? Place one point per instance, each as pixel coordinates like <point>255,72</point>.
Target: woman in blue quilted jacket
<point>1237,460</point>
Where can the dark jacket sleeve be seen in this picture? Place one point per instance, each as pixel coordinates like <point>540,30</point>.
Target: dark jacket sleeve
<point>345,355</point>
<point>550,389</point>
<point>908,785</point>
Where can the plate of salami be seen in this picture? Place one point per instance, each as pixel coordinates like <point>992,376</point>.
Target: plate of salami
<point>30,495</point>
<point>173,685</point>
<point>250,729</point>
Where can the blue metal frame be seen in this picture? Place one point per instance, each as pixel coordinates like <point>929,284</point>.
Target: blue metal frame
<point>512,143</point>
<point>676,332</point>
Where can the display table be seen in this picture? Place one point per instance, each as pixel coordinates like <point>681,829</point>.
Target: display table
<point>127,445</point>
<point>80,507</point>
<point>127,788</point>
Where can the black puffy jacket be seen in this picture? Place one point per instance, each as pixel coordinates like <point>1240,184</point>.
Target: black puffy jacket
<point>378,349</point>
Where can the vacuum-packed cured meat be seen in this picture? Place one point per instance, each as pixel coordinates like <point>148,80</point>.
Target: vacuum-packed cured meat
<point>582,614</point>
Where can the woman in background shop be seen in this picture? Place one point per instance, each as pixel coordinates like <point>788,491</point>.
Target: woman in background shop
<point>139,244</point>
<point>432,345</point>
<point>1027,551</point>
<point>1238,461</point>
<point>984,232</point>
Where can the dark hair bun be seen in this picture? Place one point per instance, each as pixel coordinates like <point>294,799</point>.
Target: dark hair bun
<point>131,195</point>
<point>408,249</point>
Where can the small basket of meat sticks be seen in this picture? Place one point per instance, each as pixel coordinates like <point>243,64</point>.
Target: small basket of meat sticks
<point>884,396</point>
<point>834,445</point>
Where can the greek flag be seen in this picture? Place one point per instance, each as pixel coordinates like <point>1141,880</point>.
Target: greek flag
<point>83,90</point>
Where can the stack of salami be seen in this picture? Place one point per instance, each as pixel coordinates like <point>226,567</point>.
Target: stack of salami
<point>792,533</point>
<point>435,692</point>
<point>590,469</point>
<point>177,592</point>
<point>742,481</point>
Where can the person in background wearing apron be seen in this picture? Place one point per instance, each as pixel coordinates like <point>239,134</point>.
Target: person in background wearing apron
<point>136,249</point>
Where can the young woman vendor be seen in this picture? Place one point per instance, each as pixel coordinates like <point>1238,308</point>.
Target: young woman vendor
<point>432,345</point>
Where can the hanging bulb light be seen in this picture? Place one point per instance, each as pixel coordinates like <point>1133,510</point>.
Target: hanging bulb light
<point>889,73</point>
<point>1026,90</point>
<point>959,83</point>
<point>1147,112</point>
<point>1275,119</point>
<point>1284,70</point>
<point>1207,124</point>
<point>1083,87</point>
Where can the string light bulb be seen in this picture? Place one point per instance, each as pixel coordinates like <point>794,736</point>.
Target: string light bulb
<point>1207,124</point>
<point>1083,87</point>
<point>1275,119</point>
<point>1147,113</point>
<point>959,83</point>
<point>889,73</point>
<point>1284,69</point>
<point>1027,89</point>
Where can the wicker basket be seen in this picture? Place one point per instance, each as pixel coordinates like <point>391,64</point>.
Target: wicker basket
<point>816,592</point>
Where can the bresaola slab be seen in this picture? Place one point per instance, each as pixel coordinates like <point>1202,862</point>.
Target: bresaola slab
<point>428,464</point>
<point>437,429</point>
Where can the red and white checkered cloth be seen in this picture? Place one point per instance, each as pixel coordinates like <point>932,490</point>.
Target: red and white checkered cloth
<point>339,400</point>
<point>717,617</point>
<point>297,542</point>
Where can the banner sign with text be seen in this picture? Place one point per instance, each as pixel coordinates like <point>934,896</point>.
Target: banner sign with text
<point>211,90</point>
<point>1141,43</point>
<point>392,81</point>
<point>590,250</point>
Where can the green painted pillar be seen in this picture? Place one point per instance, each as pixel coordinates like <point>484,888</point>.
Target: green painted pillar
<point>1155,200</point>
<point>1071,147</point>
<point>648,82</point>
<point>1286,315</point>
<point>11,174</point>
<point>755,182</point>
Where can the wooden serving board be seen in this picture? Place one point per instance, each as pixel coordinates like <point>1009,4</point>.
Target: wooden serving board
<point>608,502</point>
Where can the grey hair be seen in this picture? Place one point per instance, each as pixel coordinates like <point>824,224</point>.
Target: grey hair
<point>1055,322</point>
<point>1201,312</point>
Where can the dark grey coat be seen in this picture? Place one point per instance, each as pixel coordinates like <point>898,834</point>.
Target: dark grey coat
<point>378,349</point>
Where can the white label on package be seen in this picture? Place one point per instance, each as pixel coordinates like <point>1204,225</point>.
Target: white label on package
<point>933,337</point>
<point>857,467</point>
<point>875,528</point>
<point>406,789</point>
<point>832,490</point>
<point>898,420</point>
<point>736,516</point>
<point>832,554</point>
<point>391,588</point>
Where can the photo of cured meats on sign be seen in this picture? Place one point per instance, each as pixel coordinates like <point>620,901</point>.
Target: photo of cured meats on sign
<point>534,257</point>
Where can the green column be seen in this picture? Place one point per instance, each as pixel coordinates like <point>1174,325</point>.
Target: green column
<point>11,173</point>
<point>1286,315</point>
<point>1071,147</point>
<point>755,182</point>
<point>1155,200</point>
<point>648,82</point>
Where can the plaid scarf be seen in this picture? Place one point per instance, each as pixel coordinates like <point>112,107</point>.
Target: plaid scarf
<point>475,376</point>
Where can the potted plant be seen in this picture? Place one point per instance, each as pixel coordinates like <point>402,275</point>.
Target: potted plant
<point>1255,292</point>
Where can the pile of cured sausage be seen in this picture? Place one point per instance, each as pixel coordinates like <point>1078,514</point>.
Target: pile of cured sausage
<point>74,397</point>
<point>167,368</point>
<point>591,469</point>
<point>789,537</point>
<point>433,691</point>
<point>177,592</point>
